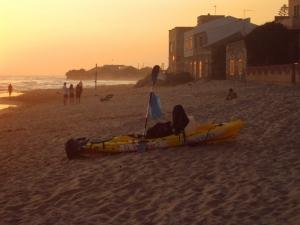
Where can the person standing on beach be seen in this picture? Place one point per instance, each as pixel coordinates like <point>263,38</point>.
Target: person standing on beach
<point>10,89</point>
<point>231,95</point>
<point>65,93</point>
<point>80,87</point>
<point>77,93</point>
<point>71,93</point>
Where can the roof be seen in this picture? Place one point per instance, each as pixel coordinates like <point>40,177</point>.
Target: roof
<point>220,29</point>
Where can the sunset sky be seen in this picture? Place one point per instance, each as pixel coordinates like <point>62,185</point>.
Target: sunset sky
<point>49,37</point>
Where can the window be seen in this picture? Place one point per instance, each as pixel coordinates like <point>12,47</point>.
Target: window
<point>240,67</point>
<point>172,47</point>
<point>296,10</point>
<point>231,67</point>
<point>191,67</point>
<point>195,69</point>
<point>200,69</point>
<point>188,43</point>
<point>185,44</point>
<point>200,41</point>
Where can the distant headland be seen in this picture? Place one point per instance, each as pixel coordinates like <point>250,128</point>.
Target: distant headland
<point>109,72</point>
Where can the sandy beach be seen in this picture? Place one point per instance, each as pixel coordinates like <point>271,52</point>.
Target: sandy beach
<point>252,179</point>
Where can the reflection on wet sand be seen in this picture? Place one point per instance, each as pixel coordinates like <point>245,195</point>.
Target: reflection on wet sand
<point>14,94</point>
<point>5,106</point>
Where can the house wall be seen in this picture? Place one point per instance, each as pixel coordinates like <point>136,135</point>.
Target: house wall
<point>292,23</point>
<point>296,23</point>
<point>292,5</point>
<point>176,49</point>
<point>277,74</point>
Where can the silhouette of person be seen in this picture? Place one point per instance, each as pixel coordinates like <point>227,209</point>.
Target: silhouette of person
<point>77,93</point>
<point>65,93</point>
<point>10,89</point>
<point>71,93</point>
<point>231,94</point>
<point>80,88</point>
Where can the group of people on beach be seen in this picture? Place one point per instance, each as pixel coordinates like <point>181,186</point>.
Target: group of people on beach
<point>71,92</point>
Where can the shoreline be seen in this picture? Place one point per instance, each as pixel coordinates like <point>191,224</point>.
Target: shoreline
<point>22,97</point>
<point>27,83</point>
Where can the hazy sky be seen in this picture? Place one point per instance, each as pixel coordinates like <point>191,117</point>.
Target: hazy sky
<point>49,37</point>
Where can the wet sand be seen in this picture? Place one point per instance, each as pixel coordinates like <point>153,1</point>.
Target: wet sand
<point>252,179</point>
<point>13,94</point>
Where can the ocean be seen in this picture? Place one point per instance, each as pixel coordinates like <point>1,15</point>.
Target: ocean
<point>26,83</point>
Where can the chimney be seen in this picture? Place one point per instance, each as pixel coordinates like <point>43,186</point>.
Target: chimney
<point>207,18</point>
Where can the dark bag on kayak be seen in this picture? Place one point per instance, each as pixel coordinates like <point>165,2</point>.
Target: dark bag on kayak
<point>159,130</point>
<point>180,119</point>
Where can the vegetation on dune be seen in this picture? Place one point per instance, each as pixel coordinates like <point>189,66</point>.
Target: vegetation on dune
<point>272,44</point>
<point>109,72</point>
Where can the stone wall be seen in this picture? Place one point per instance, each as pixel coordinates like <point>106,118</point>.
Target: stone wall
<point>277,74</point>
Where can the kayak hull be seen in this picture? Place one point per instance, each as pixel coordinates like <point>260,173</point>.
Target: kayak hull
<point>203,134</point>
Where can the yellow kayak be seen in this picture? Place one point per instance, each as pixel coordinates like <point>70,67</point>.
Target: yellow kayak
<point>202,134</point>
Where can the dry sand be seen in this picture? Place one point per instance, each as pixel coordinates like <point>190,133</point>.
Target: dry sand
<point>253,179</point>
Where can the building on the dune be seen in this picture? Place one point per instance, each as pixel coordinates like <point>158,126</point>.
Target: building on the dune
<point>176,49</point>
<point>273,50</point>
<point>204,46</point>
<point>292,21</point>
<point>225,47</point>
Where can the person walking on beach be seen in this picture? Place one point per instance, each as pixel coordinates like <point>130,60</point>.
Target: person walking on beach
<point>65,93</point>
<point>80,90</point>
<point>10,89</point>
<point>71,93</point>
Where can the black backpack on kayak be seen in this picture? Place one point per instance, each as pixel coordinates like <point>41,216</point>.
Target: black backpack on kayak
<point>159,130</point>
<point>180,119</point>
